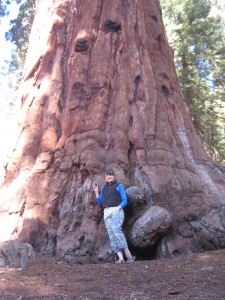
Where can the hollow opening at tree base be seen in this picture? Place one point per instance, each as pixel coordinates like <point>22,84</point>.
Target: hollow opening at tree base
<point>144,253</point>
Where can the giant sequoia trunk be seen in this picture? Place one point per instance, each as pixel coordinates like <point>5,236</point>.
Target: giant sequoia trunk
<point>100,90</point>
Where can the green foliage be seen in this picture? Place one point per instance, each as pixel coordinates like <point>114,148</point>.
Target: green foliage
<point>19,35</point>
<point>3,7</point>
<point>218,9</point>
<point>11,71</point>
<point>197,34</point>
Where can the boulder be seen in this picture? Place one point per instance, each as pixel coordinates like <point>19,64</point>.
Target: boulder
<point>15,253</point>
<point>150,227</point>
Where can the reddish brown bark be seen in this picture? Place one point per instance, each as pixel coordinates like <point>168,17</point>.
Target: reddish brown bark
<point>100,90</point>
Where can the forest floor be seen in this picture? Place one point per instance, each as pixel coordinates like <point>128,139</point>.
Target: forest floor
<point>196,276</point>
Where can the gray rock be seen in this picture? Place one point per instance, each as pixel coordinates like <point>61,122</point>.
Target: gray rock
<point>152,225</point>
<point>15,253</point>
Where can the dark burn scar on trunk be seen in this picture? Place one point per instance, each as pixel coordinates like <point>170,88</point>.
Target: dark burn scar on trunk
<point>110,26</point>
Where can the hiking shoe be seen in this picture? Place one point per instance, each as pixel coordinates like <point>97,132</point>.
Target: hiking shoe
<point>119,261</point>
<point>132,259</point>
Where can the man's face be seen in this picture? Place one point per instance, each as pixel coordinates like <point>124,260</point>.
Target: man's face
<point>109,178</point>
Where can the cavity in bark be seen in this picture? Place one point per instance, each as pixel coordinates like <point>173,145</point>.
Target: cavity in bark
<point>81,45</point>
<point>44,100</point>
<point>59,104</point>
<point>33,237</point>
<point>131,155</point>
<point>84,175</point>
<point>136,82</point>
<point>154,18</point>
<point>165,90</point>
<point>131,121</point>
<point>58,129</point>
<point>110,26</point>
<point>160,41</point>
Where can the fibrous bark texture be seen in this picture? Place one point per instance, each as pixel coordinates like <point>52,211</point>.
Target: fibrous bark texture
<point>100,90</point>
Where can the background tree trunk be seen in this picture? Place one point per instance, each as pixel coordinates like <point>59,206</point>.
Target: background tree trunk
<point>100,90</point>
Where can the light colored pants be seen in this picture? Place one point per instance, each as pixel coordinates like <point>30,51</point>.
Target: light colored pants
<point>113,224</point>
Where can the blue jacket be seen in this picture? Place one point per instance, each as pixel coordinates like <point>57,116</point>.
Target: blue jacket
<point>101,200</point>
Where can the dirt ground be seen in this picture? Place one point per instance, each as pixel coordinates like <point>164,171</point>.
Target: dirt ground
<point>199,276</point>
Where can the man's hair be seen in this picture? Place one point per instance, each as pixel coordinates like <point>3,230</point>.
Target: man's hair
<point>109,172</point>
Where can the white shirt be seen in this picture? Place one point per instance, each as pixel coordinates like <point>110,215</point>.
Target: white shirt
<point>109,210</point>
